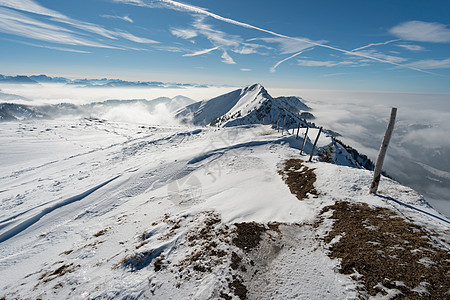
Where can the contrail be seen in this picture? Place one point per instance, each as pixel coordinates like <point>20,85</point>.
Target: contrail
<point>273,69</point>
<point>375,44</point>
<point>201,52</point>
<point>198,10</point>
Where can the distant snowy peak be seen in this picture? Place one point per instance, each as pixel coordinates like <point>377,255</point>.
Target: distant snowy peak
<point>249,105</point>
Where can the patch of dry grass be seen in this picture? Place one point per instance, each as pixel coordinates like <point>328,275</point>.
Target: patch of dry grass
<point>101,232</point>
<point>389,252</point>
<point>299,178</point>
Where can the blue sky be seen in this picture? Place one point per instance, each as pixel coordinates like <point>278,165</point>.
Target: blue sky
<point>347,45</point>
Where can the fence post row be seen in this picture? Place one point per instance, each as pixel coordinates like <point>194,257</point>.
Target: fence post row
<point>304,139</point>
<point>384,145</point>
<point>315,143</point>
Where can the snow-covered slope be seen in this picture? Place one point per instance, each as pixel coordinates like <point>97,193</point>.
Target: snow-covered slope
<point>103,210</point>
<point>250,105</point>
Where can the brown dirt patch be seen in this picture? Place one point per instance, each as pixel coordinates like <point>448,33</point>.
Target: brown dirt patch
<point>299,178</point>
<point>248,235</point>
<point>388,252</point>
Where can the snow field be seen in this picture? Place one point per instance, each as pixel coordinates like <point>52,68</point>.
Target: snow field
<point>124,211</point>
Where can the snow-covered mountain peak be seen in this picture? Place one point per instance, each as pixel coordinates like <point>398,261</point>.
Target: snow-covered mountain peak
<point>249,105</point>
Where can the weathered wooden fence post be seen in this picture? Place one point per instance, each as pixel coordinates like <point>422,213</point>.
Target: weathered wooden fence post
<point>298,129</point>
<point>315,143</point>
<point>304,139</point>
<point>384,145</point>
<point>278,125</point>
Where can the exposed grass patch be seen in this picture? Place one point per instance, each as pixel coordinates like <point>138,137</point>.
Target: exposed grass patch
<point>299,178</point>
<point>389,252</point>
<point>101,232</point>
<point>136,261</point>
<point>248,235</point>
<point>58,272</point>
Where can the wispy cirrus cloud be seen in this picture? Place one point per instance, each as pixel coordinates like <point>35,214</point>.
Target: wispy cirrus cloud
<point>227,58</point>
<point>218,38</point>
<point>414,48</point>
<point>420,31</point>
<point>318,63</point>
<point>14,22</point>
<point>440,35</point>
<point>431,64</point>
<point>184,33</point>
<point>133,38</point>
<point>395,60</point>
<point>124,18</point>
<point>52,47</point>
<point>287,45</point>
<point>32,7</point>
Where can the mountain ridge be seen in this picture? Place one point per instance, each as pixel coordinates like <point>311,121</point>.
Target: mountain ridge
<point>249,105</point>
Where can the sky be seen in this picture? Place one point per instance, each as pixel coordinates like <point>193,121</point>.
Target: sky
<point>346,45</point>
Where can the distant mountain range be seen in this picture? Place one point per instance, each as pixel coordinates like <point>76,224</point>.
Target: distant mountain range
<point>104,82</point>
<point>13,111</point>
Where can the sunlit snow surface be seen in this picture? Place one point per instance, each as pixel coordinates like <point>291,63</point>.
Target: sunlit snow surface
<point>61,182</point>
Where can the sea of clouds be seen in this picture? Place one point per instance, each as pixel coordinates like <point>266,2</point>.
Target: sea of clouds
<point>417,156</point>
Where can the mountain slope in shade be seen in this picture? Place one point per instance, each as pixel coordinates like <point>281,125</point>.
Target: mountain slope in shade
<point>11,112</point>
<point>250,105</point>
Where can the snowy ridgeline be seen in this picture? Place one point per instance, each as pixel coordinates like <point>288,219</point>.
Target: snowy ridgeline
<point>250,105</point>
<point>98,209</point>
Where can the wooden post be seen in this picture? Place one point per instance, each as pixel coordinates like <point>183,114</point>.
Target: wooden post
<point>314,146</point>
<point>293,128</point>
<point>304,139</point>
<point>298,129</point>
<point>278,123</point>
<point>384,145</point>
